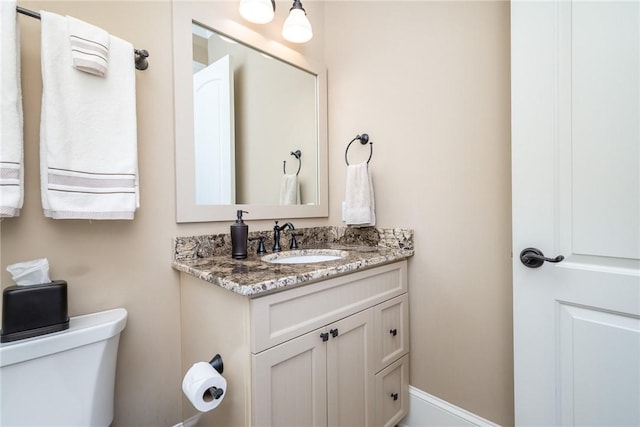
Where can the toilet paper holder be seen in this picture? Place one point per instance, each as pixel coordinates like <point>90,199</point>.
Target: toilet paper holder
<point>217,364</point>
<point>215,393</point>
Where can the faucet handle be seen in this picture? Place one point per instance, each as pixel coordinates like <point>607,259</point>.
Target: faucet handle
<point>261,248</point>
<point>293,244</point>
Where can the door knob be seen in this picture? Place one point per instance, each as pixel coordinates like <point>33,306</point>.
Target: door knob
<point>534,258</point>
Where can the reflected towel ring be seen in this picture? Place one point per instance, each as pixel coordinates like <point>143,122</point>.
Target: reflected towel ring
<point>364,139</point>
<point>297,154</point>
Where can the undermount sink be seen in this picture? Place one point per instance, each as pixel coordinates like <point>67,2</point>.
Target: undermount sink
<point>305,256</point>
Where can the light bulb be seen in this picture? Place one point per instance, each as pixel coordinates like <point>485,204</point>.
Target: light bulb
<point>297,28</point>
<point>257,11</point>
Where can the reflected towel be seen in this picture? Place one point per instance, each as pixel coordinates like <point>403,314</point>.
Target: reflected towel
<point>89,47</point>
<point>358,208</point>
<point>290,190</point>
<point>11,140</point>
<point>88,137</point>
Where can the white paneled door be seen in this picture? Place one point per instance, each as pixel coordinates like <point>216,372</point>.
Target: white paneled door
<point>576,193</point>
<point>213,133</point>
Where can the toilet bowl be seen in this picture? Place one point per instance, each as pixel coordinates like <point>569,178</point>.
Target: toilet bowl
<point>65,378</point>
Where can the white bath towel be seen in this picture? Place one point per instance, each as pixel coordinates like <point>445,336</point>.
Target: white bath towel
<point>88,145</point>
<point>290,190</point>
<point>11,144</point>
<point>89,47</point>
<point>358,208</point>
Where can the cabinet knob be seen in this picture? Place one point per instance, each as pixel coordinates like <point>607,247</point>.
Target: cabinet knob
<point>394,396</point>
<point>393,332</point>
<point>324,336</point>
<point>334,332</point>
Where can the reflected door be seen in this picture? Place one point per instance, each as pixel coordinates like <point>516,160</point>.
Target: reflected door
<point>214,134</point>
<point>576,192</point>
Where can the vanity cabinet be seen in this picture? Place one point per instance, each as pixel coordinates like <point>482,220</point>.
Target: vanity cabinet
<point>330,353</point>
<point>322,378</point>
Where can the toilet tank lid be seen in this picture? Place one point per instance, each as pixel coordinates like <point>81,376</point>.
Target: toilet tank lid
<point>83,330</point>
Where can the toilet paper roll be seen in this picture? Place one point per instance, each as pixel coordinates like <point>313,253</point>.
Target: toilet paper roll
<point>204,386</point>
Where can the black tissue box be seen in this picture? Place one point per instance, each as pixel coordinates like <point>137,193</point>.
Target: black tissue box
<point>29,311</point>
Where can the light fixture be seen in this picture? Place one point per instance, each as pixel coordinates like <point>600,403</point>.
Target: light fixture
<point>258,11</point>
<point>296,28</point>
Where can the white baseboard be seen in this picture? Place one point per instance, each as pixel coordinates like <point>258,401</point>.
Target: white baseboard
<point>426,410</point>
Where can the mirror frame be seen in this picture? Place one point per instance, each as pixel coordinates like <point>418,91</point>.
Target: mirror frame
<point>184,12</point>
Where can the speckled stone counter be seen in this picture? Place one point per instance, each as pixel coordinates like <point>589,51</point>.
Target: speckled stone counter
<point>209,257</point>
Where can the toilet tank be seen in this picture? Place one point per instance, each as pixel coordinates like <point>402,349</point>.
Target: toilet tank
<point>65,378</point>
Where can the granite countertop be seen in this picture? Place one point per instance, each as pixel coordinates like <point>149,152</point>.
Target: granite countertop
<point>208,258</point>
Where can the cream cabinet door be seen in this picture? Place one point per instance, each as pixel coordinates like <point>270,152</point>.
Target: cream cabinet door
<point>350,371</point>
<point>289,383</point>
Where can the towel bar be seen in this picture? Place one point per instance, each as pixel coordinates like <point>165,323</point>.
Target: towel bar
<point>141,55</point>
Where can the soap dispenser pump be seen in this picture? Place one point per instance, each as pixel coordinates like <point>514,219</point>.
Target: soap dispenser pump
<point>239,235</point>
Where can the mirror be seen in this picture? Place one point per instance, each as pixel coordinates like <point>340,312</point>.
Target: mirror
<point>259,107</point>
<point>245,105</point>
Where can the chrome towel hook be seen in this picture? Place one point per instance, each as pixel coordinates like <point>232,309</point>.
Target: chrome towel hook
<point>297,154</point>
<point>364,139</point>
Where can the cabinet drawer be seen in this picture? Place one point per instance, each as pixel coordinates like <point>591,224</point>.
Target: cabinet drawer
<point>391,330</point>
<point>392,393</point>
<point>279,317</point>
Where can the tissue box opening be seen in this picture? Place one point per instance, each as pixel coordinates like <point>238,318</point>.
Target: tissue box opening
<point>29,311</point>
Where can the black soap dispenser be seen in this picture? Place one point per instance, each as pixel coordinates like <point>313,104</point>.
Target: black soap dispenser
<point>239,235</point>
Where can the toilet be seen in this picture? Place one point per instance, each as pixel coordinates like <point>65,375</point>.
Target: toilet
<point>65,378</point>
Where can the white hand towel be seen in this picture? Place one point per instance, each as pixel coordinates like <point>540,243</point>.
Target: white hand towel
<point>359,206</point>
<point>88,142</point>
<point>89,47</point>
<point>290,190</point>
<point>11,144</point>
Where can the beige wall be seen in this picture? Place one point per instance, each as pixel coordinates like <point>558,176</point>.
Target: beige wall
<point>127,264</point>
<point>121,263</point>
<point>429,81</point>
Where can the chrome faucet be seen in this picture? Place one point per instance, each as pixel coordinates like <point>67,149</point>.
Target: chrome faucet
<point>276,235</point>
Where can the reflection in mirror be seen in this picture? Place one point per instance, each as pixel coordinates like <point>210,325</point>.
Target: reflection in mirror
<point>270,108</point>
<point>243,104</point>
<point>213,141</point>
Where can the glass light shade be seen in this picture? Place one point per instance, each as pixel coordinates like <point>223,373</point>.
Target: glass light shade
<point>257,11</point>
<point>297,28</point>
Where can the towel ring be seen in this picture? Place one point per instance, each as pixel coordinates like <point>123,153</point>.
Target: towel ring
<point>364,139</point>
<point>297,154</point>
